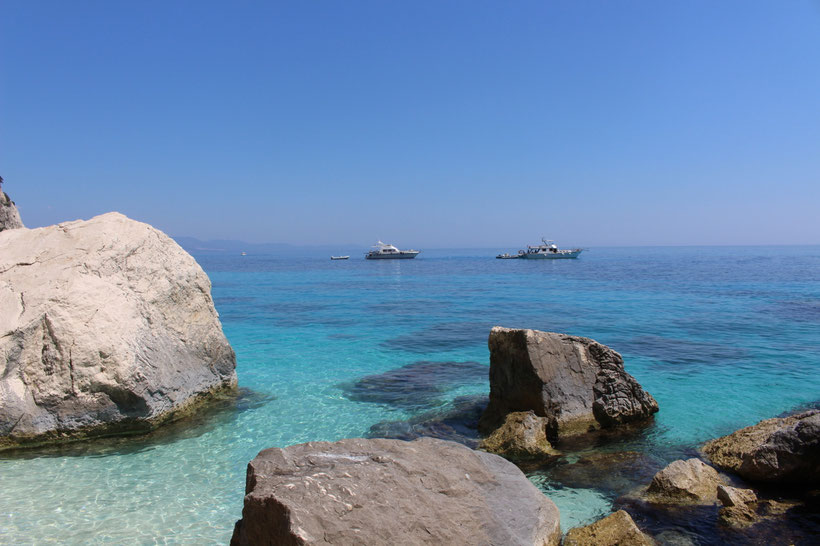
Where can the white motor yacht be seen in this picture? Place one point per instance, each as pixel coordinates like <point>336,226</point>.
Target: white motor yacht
<point>548,250</point>
<point>384,251</point>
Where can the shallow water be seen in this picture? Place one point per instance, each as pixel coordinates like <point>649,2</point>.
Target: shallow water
<point>722,337</point>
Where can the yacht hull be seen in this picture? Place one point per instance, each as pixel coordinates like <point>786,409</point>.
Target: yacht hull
<point>551,255</point>
<point>398,256</point>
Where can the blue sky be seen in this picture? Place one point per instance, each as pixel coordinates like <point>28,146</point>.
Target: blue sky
<point>428,124</point>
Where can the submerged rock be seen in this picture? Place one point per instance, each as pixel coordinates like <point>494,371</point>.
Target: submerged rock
<point>108,327</point>
<point>415,386</point>
<point>781,450</point>
<point>742,509</point>
<point>685,482</point>
<point>456,421</point>
<point>578,384</point>
<point>616,529</point>
<point>359,491</point>
<point>522,436</point>
<point>674,537</point>
<point>9,216</point>
<point>738,517</point>
<point>618,472</point>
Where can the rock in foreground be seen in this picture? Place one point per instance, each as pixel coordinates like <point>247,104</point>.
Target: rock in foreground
<point>578,384</point>
<point>359,491</point>
<point>616,529</point>
<point>782,450</point>
<point>107,327</point>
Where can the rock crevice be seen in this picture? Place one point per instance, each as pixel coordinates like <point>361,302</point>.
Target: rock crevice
<point>577,384</point>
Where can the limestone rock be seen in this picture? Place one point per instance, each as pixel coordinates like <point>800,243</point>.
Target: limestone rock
<point>685,482</point>
<point>738,506</point>
<point>378,491</point>
<point>732,496</point>
<point>616,529</point>
<point>782,450</point>
<point>9,216</point>
<point>522,436</point>
<point>576,383</point>
<point>744,512</point>
<point>107,327</point>
<point>739,516</point>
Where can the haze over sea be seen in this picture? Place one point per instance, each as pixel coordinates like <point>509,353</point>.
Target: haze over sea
<point>721,336</point>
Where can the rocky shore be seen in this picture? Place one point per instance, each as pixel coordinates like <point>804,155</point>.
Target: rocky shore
<point>753,497</point>
<point>543,386</point>
<point>108,327</point>
<point>360,491</point>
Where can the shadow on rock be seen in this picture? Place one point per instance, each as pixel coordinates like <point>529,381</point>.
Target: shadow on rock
<point>222,410</point>
<point>416,386</point>
<point>457,422</point>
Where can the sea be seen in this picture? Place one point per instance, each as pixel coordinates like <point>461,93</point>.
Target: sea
<point>722,337</point>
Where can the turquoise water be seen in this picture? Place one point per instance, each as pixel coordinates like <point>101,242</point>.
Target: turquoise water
<point>722,337</point>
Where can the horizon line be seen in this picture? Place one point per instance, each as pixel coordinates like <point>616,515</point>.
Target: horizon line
<point>585,247</point>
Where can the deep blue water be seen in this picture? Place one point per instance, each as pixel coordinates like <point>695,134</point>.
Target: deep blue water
<point>721,336</point>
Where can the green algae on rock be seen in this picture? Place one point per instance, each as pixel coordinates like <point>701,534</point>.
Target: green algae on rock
<point>522,436</point>
<point>617,529</point>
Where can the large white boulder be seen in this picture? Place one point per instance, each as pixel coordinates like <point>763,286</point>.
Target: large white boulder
<point>107,326</point>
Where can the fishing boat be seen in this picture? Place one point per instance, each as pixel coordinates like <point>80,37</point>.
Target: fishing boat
<point>548,250</point>
<point>339,257</point>
<point>384,251</point>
